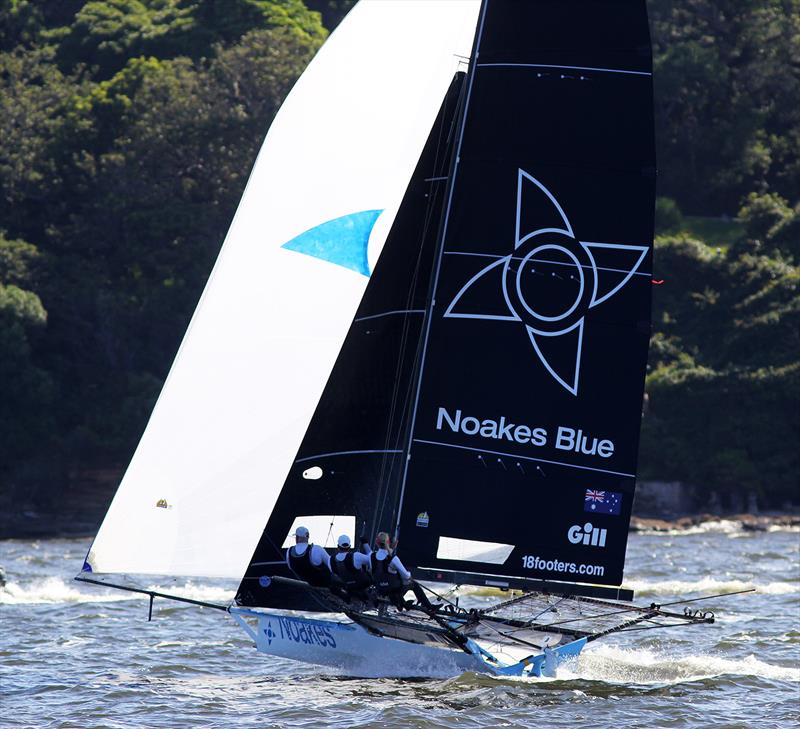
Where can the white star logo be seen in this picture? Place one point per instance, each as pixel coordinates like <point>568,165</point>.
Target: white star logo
<point>550,280</point>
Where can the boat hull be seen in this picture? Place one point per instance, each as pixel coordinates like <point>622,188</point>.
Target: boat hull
<point>352,649</point>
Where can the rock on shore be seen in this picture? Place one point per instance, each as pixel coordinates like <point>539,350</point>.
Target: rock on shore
<point>747,522</point>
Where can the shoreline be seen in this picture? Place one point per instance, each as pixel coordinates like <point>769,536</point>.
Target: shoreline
<point>32,525</point>
<point>760,522</point>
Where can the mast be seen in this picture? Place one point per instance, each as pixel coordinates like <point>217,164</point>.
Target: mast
<point>431,302</point>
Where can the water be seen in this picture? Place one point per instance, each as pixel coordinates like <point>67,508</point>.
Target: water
<point>81,656</point>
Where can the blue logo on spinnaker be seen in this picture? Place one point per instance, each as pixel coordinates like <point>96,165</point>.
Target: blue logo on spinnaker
<point>342,241</point>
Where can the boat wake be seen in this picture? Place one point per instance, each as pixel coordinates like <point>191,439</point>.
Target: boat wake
<point>612,664</point>
<point>54,591</point>
<point>639,667</point>
<point>709,586</point>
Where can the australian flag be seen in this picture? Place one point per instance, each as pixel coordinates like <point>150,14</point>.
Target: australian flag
<point>602,502</point>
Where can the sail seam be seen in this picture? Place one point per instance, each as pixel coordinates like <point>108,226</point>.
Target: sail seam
<point>346,453</point>
<point>390,313</point>
<point>545,260</point>
<point>527,458</point>
<point>571,68</point>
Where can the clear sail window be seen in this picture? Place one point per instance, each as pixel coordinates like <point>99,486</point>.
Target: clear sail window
<point>323,529</point>
<point>470,550</point>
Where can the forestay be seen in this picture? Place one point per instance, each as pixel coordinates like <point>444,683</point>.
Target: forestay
<point>263,340</point>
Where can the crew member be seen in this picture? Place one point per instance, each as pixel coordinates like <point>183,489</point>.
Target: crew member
<point>352,568</point>
<point>392,579</point>
<point>309,562</point>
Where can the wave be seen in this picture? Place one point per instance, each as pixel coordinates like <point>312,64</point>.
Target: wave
<point>718,526</point>
<point>783,528</point>
<point>732,527</point>
<point>612,666</point>
<point>641,666</point>
<point>53,591</point>
<point>708,585</point>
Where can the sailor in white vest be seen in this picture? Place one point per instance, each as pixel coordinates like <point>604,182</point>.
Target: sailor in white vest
<point>309,562</point>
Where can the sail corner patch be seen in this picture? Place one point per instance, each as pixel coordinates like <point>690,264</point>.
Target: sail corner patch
<point>471,550</point>
<point>342,241</point>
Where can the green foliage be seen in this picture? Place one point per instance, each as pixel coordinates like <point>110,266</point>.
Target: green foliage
<point>668,216</point>
<point>332,11</point>
<point>127,131</point>
<point>724,370</point>
<point>727,77</point>
<point>18,261</point>
<point>19,23</point>
<point>139,175</point>
<point>26,389</point>
<point>33,98</point>
<point>771,224</point>
<point>106,33</point>
<point>719,233</point>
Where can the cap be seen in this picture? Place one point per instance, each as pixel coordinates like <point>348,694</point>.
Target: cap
<point>301,531</point>
<point>344,541</point>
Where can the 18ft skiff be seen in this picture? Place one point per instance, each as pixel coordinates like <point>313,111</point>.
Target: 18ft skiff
<point>431,315</point>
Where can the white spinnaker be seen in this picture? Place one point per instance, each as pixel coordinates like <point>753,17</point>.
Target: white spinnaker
<point>271,322</point>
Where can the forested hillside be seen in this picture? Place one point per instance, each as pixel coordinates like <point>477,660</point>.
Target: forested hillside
<point>128,129</point>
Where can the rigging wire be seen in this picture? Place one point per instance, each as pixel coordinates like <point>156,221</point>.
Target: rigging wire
<point>441,157</point>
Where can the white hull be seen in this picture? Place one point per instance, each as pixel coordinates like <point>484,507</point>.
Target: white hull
<point>352,649</point>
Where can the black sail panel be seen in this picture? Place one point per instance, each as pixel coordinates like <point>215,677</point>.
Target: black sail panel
<point>526,429</point>
<point>359,431</point>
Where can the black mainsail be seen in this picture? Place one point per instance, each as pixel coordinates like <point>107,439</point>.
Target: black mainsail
<point>527,424</point>
<point>487,400</point>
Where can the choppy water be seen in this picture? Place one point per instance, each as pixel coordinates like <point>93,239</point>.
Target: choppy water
<point>81,656</point>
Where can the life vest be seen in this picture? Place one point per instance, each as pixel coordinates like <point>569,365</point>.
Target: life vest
<point>346,570</point>
<point>384,580</point>
<point>300,564</point>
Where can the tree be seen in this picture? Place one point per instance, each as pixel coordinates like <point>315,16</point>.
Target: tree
<point>724,370</point>
<point>106,33</point>
<point>727,82</point>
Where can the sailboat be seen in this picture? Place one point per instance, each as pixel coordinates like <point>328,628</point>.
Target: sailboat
<point>430,316</point>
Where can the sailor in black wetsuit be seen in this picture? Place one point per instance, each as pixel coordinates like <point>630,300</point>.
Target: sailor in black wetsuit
<point>392,579</point>
<point>352,568</point>
<point>309,562</point>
